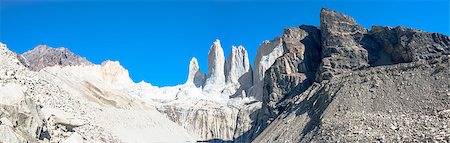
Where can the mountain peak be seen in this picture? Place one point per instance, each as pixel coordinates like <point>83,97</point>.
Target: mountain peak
<point>114,73</point>
<point>195,76</point>
<point>44,56</point>
<point>216,62</point>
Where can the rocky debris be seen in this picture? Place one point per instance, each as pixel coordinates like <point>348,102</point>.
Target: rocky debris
<point>238,73</point>
<point>215,80</point>
<point>21,122</point>
<point>267,53</point>
<point>44,56</point>
<point>408,45</point>
<point>74,115</point>
<point>195,77</point>
<point>406,105</point>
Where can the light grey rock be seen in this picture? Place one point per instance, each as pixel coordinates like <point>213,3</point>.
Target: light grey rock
<point>238,73</point>
<point>211,120</point>
<point>195,77</point>
<point>267,53</point>
<point>215,80</point>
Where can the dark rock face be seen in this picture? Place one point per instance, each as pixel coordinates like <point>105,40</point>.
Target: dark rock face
<point>295,70</point>
<point>408,45</point>
<point>386,85</point>
<point>341,50</point>
<point>43,56</point>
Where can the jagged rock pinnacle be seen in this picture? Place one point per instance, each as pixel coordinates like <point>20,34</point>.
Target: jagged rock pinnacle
<point>238,72</point>
<point>195,77</point>
<point>237,65</point>
<point>216,76</point>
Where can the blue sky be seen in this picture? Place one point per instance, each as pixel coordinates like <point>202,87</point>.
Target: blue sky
<point>155,40</point>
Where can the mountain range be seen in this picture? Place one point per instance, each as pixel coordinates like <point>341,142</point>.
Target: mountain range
<point>338,82</point>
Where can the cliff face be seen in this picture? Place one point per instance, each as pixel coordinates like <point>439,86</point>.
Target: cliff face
<point>384,84</point>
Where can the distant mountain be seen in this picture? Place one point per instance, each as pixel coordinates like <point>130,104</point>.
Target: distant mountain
<point>45,56</point>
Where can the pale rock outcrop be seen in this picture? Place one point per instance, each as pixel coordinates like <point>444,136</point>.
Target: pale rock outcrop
<point>44,56</point>
<point>216,77</point>
<point>115,74</point>
<point>267,53</point>
<point>213,120</point>
<point>195,77</point>
<point>238,73</point>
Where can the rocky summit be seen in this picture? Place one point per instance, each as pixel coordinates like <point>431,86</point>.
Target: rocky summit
<point>336,82</point>
<point>44,56</point>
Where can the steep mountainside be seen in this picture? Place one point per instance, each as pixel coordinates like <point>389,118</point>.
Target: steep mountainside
<point>384,84</point>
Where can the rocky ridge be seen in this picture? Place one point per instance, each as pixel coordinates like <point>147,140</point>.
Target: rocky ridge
<point>380,85</point>
<point>44,56</point>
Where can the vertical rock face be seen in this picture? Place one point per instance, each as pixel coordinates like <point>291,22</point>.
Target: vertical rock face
<point>293,72</point>
<point>43,56</point>
<point>195,77</point>
<point>238,73</point>
<point>216,76</point>
<point>267,53</point>
<point>341,50</point>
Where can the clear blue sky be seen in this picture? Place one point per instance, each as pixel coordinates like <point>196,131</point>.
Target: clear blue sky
<point>156,40</point>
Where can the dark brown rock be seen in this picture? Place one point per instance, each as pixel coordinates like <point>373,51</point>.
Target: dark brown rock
<point>341,48</point>
<point>43,56</point>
